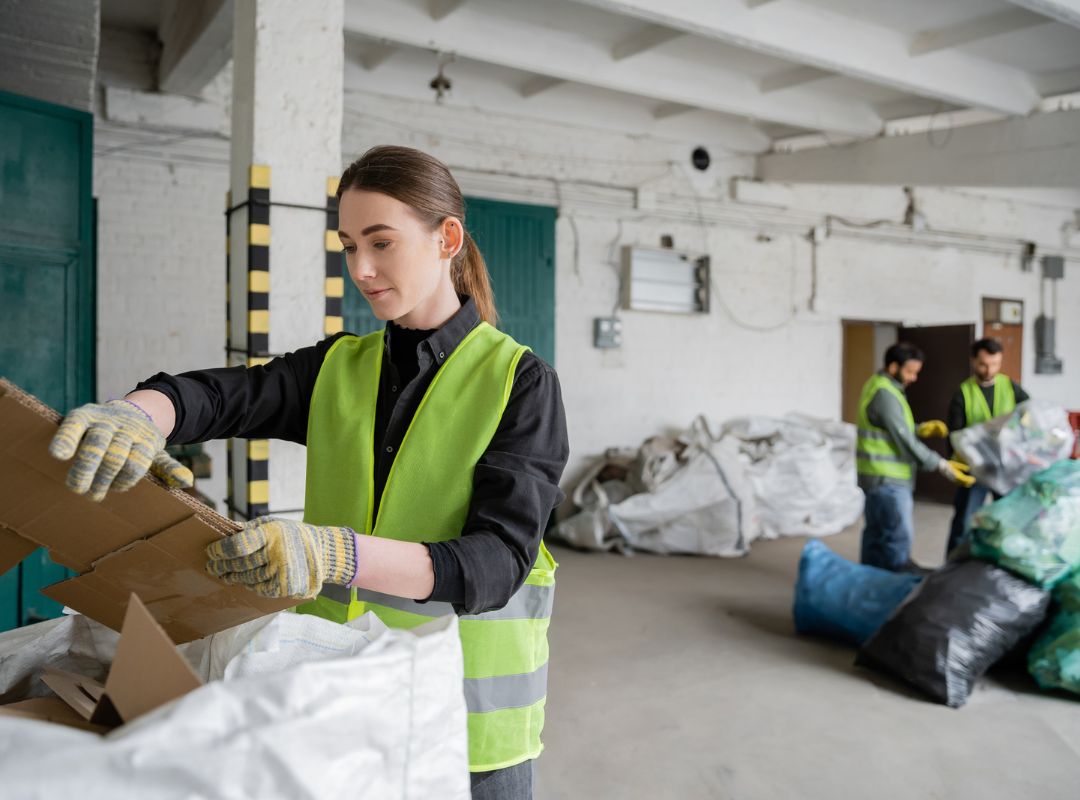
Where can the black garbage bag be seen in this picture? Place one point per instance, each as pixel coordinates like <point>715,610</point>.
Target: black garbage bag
<point>953,627</point>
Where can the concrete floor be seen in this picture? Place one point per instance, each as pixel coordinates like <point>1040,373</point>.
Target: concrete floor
<point>679,677</point>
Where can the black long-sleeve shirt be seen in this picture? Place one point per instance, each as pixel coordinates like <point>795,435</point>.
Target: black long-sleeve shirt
<point>956,418</point>
<point>957,415</point>
<point>515,483</point>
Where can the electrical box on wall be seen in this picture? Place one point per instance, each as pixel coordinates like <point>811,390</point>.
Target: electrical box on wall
<point>607,332</point>
<point>665,280</point>
<point>1046,363</point>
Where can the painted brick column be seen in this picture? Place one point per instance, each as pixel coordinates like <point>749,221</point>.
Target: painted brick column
<point>288,66</point>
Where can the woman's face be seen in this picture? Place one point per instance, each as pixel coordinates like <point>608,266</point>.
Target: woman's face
<point>400,265</point>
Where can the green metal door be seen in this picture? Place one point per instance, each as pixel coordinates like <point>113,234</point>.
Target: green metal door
<point>518,243</point>
<point>46,287</point>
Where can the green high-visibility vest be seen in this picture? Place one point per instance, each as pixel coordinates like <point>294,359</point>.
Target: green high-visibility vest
<point>875,452</point>
<point>975,408</point>
<point>426,499</point>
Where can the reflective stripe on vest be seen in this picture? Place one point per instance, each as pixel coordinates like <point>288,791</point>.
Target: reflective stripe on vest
<point>975,409</point>
<point>426,498</point>
<point>875,452</point>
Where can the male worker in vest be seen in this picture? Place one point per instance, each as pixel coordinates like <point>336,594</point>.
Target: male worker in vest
<point>887,453</point>
<point>986,394</point>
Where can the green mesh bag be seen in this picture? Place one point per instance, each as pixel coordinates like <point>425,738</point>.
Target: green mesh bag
<point>1054,660</point>
<point>1034,531</point>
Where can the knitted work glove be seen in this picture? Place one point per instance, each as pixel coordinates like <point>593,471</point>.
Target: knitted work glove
<point>114,445</point>
<point>284,558</point>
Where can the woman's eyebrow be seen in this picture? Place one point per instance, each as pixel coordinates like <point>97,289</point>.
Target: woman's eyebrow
<point>376,228</point>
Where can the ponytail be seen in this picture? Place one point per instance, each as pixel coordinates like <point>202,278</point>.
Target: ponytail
<point>470,276</point>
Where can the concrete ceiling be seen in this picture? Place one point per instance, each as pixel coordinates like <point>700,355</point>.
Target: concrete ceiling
<point>756,72</point>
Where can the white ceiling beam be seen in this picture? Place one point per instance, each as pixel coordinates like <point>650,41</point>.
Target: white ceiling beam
<point>817,37</point>
<point>1059,81</point>
<point>441,9</point>
<point>1042,150</point>
<point>539,84</point>
<point>196,43</point>
<point>646,39</point>
<point>1015,19</point>
<point>1067,11</point>
<point>484,31</point>
<point>165,112</point>
<point>792,77</point>
<point>476,86</point>
<point>669,110</point>
<point>367,53</point>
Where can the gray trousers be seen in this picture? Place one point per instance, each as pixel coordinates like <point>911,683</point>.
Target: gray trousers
<point>512,783</point>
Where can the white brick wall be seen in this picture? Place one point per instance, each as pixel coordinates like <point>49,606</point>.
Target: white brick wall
<point>761,350</point>
<point>161,273</point>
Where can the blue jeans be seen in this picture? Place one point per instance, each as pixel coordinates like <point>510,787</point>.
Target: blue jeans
<point>965,503</point>
<point>886,539</point>
<point>512,783</point>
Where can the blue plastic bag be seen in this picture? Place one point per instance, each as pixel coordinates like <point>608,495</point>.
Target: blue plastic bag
<point>843,600</point>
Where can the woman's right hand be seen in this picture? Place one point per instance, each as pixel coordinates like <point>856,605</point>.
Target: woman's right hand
<point>114,445</point>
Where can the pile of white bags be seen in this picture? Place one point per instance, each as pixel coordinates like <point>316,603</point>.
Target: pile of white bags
<point>295,707</point>
<point>714,495</point>
<point>802,470</point>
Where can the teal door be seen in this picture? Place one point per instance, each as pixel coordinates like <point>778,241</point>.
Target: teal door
<point>46,287</point>
<point>518,243</point>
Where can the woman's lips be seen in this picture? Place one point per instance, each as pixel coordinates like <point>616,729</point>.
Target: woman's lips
<point>374,294</point>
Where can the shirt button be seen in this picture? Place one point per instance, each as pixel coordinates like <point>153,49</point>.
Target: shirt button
<point>442,355</point>
<point>389,449</point>
<point>393,388</point>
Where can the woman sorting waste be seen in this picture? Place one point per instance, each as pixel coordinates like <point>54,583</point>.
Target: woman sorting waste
<point>434,452</point>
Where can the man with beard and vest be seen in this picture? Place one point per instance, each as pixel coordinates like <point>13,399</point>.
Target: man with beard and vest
<point>988,393</point>
<point>887,454</point>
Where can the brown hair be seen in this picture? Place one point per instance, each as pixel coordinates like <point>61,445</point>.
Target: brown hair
<point>425,184</point>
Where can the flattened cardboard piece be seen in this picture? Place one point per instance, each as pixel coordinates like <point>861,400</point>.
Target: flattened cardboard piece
<point>13,549</point>
<point>167,572</point>
<point>37,509</point>
<point>148,671</point>
<point>35,502</point>
<point>50,709</point>
<point>82,694</point>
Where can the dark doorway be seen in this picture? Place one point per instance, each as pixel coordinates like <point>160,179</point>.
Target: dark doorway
<point>947,349</point>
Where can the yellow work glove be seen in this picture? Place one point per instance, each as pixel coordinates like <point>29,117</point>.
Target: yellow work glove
<point>114,445</point>
<point>932,429</point>
<point>284,558</point>
<point>957,472</point>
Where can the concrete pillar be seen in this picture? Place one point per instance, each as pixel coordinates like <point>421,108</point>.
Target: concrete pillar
<point>288,66</point>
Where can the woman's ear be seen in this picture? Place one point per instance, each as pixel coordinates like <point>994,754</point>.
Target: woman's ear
<point>451,237</point>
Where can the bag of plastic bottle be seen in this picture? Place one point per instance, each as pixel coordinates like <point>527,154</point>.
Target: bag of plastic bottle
<point>1007,450</point>
<point>1054,660</point>
<point>953,627</point>
<point>843,600</point>
<point>1034,531</point>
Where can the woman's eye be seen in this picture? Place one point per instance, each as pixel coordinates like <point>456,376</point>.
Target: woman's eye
<point>350,248</point>
<point>381,245</point>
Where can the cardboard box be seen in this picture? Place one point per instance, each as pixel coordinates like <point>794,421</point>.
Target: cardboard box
<point>149,541</point>
<point>146,673</point>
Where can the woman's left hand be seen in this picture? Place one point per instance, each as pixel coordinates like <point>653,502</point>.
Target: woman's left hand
<point>284,558</point>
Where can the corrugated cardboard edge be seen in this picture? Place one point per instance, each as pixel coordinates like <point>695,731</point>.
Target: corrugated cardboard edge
<point>50,709</point>
<point>219,523</point>
<point>148,671</point>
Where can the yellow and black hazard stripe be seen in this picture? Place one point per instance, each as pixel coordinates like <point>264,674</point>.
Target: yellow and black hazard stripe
<point>258,327</point>
<point>334,284</point>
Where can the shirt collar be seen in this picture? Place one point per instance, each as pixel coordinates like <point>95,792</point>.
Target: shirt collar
<point>445,340</point>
